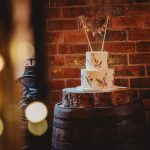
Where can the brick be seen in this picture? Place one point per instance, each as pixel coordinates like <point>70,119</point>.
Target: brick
<point>112,1</point>
<point>73,83</point>
<point>126,22</point>
<point>144,94</point>
<point>96,11</point>
<point>129,70</point>
<point>140,83</point>
<point>76,37</point>
<point>139,34</point>
<point>65,73</point>
<point>140,1</point>
<point>57,84</point>
<point>148,69</point>
<point>72,49</point>
<point>120,59</point>
<point>120,47</point>
<point>139,58</point>
<point>113,10</point>
<point>143,46</point>
<point>92,2</point>
<point>75,60</point>
<point>73,12</point>
<point>116,36</point>
<point>81,37</point>
<point>54,37</point>
<point>52,13</point>
<point>57,25</point>
<point>58,3</point>
<point>121,82</point>
<point>97,46</point>
<point>122,1</point>
<point>51,49</point>
<point>134,9</point>
<point>55,96</point>
<point>56,60</point>
<point>146,21</point>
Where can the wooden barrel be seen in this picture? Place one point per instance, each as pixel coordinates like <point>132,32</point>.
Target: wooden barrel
<point>95,128</point>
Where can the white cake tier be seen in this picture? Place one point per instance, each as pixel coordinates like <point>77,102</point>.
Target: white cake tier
<point>96,60</point>
<point>97,79</point>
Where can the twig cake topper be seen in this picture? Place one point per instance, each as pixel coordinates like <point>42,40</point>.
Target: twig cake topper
<point>100,30</point>
<point>85,29</point>
<point>105,27</point>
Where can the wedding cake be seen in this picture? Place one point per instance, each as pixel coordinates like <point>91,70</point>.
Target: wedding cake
<point>97,87</point>
<point>97,75</point>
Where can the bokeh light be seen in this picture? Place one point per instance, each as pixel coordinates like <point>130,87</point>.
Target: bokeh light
<point>2,62</point>
<point>36,112</point>
<point>39,128</point>
<point>1,127</point>
<point>20,51</point>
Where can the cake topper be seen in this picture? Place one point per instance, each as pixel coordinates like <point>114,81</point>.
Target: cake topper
<point>105,27</point>
<point>85,27</point>
<point>100,30</point>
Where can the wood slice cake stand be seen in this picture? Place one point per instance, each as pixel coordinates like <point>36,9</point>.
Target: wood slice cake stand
<point>76,97</point>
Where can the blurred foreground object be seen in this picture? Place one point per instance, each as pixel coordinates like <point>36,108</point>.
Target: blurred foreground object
<point>9,108</point>
<point>36,126</point>
<point>21,40</point>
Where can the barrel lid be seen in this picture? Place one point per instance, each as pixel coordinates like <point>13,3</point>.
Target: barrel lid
<point>99,112</point>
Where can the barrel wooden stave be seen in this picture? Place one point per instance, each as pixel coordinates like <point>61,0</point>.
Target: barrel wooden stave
<point>91,128</point>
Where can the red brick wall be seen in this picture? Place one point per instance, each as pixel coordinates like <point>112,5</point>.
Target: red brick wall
<point>127,40</point>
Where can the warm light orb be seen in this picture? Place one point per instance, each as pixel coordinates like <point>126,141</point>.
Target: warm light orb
<point>2,62</point>
<point>39,128</point>
<point>1,127</point>
<point>36,112</point>
<point>21,50</point>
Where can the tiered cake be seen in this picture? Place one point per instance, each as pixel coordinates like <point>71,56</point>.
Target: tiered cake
<point>97,85</point>
<point>97,75</point>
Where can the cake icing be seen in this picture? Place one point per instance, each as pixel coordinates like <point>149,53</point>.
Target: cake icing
<point>97,75</point>
<point>96,60</point>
